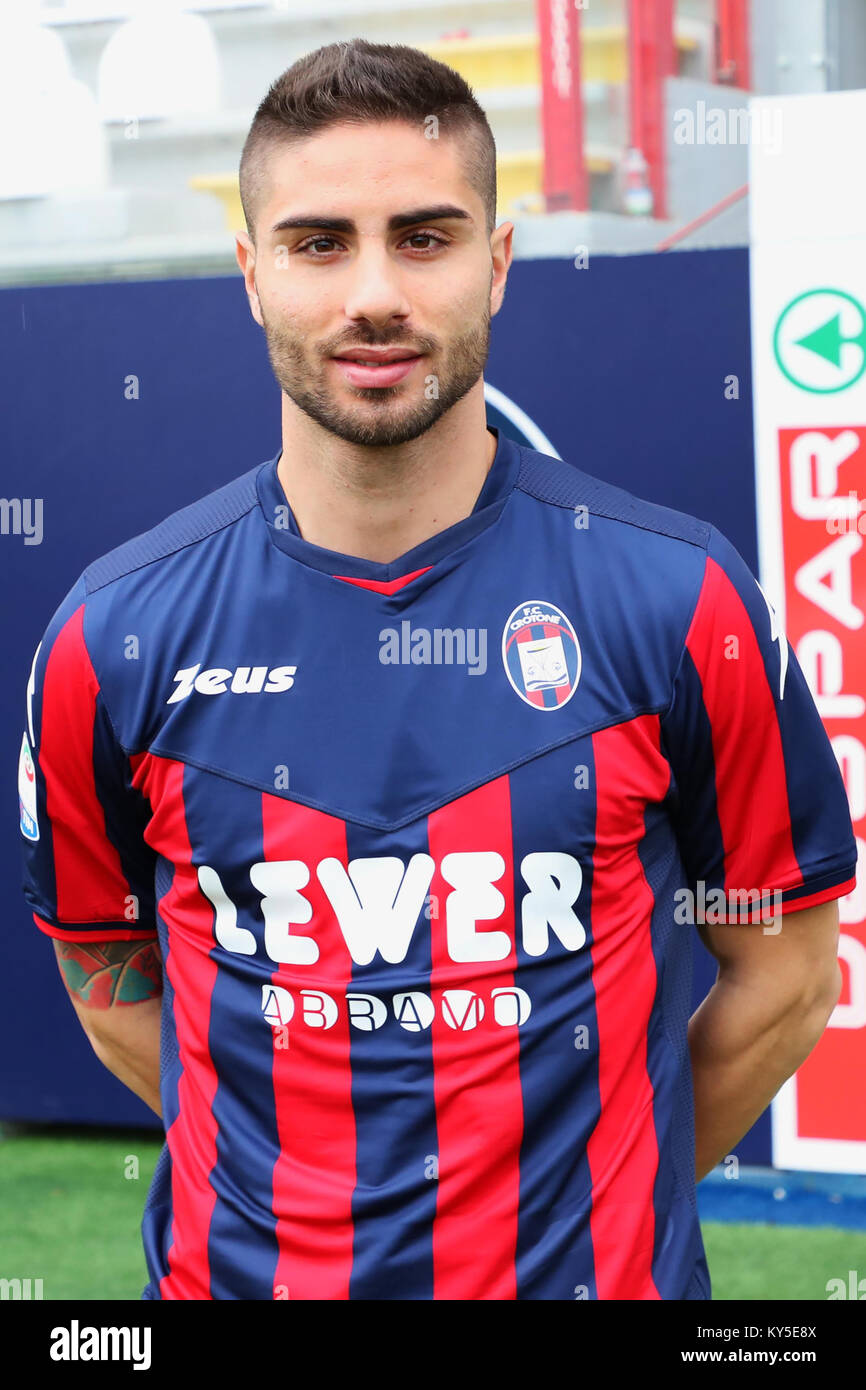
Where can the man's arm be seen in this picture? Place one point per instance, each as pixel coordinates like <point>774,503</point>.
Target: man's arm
<point>775,990</point>
<point>116,991</point>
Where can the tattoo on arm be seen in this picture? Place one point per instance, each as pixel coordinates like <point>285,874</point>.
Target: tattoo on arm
<point>104,974</point>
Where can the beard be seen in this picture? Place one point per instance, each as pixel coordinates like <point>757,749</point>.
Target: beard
<point>394,414</point>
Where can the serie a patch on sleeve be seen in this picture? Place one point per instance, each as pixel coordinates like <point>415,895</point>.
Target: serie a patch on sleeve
<point>27,791</point>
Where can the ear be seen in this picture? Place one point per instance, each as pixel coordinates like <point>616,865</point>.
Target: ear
<point>245,253</point>
<point>501,253</point>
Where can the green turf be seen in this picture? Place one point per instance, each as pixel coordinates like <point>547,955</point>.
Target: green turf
<point>70,1216</point>
<point>761,1262</point>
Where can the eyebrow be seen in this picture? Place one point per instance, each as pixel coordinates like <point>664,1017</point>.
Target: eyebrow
<point>395,223</point>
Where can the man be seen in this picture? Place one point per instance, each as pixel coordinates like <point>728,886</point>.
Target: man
<point>383,773</point>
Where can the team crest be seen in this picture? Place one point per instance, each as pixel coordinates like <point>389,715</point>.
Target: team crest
<point>27,791</point>
<point>541,654</point>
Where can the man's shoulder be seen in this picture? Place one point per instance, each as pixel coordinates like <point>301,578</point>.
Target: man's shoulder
<point>181,529</point>
<point>560,483</point>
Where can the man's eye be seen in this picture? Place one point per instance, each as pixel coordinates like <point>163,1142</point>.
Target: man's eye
<point>426,236</point>
<point>315,241</point>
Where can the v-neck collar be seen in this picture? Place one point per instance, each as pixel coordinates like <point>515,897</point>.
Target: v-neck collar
<point>495,492</point>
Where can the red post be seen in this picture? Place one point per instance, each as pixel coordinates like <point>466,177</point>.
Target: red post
<point>733,64</point>
<point>652,58</point>
<point>566,184</point>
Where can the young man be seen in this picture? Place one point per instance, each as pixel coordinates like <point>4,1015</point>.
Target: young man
<point>425,742</point>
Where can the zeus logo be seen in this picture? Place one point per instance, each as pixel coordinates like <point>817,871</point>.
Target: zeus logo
<point>377,903</point>
<point>245,680</point>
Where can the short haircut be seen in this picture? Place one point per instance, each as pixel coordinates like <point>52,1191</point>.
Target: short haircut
<point>357,81</point>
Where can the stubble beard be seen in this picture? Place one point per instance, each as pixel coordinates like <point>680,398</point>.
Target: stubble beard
<point>395,414</point>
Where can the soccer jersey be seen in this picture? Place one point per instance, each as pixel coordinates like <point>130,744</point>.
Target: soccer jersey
<point>422,844</point>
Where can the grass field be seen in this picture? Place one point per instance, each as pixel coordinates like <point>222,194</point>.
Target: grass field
<point>71,1204</point>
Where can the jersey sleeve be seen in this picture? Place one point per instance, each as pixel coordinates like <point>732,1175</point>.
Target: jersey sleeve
<point>758,799</point>
<point>88,874</point>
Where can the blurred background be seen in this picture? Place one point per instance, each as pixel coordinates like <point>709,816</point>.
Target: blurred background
<point>685,318</point>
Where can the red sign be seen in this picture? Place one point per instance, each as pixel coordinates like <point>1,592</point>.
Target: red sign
<point>823,506</point>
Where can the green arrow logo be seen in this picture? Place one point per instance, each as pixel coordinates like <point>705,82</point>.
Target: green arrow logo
<point>826,341</point>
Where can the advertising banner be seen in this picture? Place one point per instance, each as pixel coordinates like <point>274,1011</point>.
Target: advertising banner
<point>808,309</point>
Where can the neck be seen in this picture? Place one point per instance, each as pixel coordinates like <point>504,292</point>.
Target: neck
<point>377,504</point>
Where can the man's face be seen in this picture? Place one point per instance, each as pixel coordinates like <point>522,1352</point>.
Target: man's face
<point>428,288</point>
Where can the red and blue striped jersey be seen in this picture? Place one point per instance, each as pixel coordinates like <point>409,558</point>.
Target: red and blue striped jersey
<point>419,842</point>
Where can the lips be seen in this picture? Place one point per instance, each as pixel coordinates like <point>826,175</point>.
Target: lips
<point>368,369</point>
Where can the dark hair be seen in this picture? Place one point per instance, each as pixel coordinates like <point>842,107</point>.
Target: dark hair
<point>358,81</point>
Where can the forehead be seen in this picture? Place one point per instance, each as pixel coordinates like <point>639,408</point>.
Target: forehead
<point>348,169</point>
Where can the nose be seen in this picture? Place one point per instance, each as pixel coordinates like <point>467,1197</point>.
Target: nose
<point>375,290</point>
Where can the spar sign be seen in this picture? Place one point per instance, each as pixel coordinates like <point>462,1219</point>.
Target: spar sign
<point>822,475</point>
<point>808,288</point>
